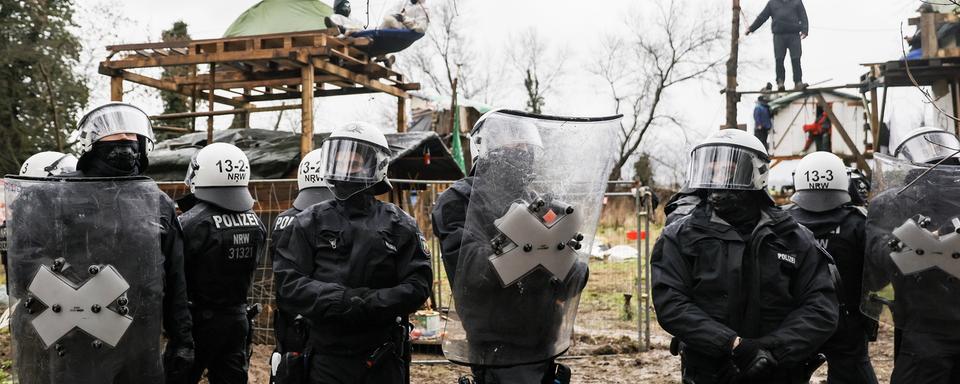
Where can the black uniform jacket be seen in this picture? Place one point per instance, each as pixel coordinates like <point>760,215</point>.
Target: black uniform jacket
<point>222,249</point>
<point>711,285</point>
<point>334,246</point>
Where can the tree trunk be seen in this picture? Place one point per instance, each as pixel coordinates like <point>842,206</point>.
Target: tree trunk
<point>732,97</point>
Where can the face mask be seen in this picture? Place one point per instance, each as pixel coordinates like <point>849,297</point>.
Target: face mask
<point>123,155</point>
<point>736,207</point>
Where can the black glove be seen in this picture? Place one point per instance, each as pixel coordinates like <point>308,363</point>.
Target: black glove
<point>354,303</point>
<point>177,363</point>
<point>751,359</point>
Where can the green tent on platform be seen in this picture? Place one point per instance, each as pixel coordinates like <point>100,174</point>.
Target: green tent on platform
<point>280,16</point>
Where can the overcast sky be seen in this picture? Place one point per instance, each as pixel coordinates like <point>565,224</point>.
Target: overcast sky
<point>843,35</point>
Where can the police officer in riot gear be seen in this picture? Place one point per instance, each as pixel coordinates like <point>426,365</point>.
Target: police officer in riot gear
<point>859,187</point>
<point>354,267</point>
<point>291,328</point>
<point>510,234</point>
<point>223,240</point>
<point>744,289</point>
<point>823,204</point>
<point>113,143</point>
<point>908,266</point>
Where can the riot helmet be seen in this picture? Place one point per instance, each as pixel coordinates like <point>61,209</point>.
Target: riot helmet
<point>729,159</point>
<point>342,7</point>
<point>821,182</point>
<point>313,188</point>
<point>927,145</point>
<point>46,164</point>
<point>354,159</point>
<point>497,131</point>
<point>98,131</point>
<point>219,174</point>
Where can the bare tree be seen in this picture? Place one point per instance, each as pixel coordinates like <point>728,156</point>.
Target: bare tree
<point>435,61</point>
<point>539,66</point>
<point>641,69</point>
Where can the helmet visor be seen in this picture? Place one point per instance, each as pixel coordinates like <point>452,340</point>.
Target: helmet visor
<point>114,119</point>
<point>506,132</point>
<point>353,161</point>
<point>724,167</point>
<point>931,146</point>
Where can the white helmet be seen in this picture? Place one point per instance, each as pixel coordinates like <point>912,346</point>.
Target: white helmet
<point>729,159</point>
<point>927,144</point>
<point>498,129</point>
<point>355,157</point>
<point>219,174</point>
<point>822,182</point>
<point>46,164</point>
<point>313,188</point>
<point>113,118</point>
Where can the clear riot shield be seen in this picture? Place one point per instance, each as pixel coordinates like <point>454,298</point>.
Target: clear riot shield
<point>536,199</point>
<point>911,274</point>
<point>86,280</point>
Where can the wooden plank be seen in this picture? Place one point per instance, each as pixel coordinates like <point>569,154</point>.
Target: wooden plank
<point>205,58</point>
<point>306,102</point>
<point>861,161</point>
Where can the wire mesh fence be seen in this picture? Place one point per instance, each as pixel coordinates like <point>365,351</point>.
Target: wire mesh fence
<point>611,305</point>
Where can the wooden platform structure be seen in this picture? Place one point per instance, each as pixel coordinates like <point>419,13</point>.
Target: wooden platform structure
<point>243,71</point>
<point>857,156</point>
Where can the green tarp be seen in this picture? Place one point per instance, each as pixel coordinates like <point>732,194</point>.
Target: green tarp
<point>280,16</point>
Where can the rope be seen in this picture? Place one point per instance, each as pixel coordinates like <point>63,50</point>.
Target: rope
<point>802,107</point>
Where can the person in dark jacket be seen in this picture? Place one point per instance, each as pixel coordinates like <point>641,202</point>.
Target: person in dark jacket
<point>498,141</point>
<point>354,267</point>
<point>926,306</point>
<point>790,25</point>
<point>223,240</point>
<point>823,204</point>
<point>114,140</point>
<point>743,288</point>
<point>291,329</point>
<point>762,122</point>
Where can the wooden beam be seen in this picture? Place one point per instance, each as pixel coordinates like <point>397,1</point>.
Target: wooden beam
<point>875,118</point>
<point>116,88</point>
<point>316,93</point>
<point>166,85</point>
<point>185,115</point>
<point>928,34</point>
<point>861,161</point>
<point>213,78</point>
<point>306,120</point>
<point>401,114</point>
<point>359,79</point>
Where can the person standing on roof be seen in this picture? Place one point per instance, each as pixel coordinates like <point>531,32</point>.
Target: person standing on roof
<point>762,122</point>
<point>790,25</point>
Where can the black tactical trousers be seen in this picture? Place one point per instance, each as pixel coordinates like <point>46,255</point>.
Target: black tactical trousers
<point>221,339</point>
<point>848,359</point>
<point>926,359</point>
<point>781,44</point>
<point>331,369</point>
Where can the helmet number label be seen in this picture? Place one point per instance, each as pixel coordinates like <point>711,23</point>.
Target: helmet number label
<point>229,166</point>
<point>814,176</point>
